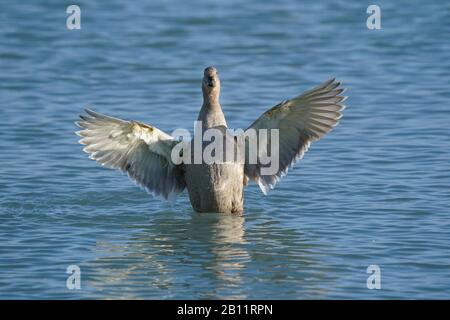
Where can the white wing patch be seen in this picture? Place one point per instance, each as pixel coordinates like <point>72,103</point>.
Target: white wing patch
<point>140,150</point>
<point>301,121</point>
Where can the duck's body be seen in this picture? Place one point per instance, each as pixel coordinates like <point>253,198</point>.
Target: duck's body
<point>146,153</point>
<point>215,187</point>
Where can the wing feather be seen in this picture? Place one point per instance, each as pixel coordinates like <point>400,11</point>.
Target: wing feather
<point>301,121</point>
<point>140,150</point>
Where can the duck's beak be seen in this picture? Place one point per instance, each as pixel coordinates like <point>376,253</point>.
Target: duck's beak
<point>211,82</point>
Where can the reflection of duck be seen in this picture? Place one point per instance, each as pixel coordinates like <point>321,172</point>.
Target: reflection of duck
<point>229,228</point>
<point>145,152</point>
<point>208,256</point>
<point>230,255</point>
<point>211,247</point>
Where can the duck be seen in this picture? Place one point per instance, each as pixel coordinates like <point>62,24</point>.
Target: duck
<point>146,153</point>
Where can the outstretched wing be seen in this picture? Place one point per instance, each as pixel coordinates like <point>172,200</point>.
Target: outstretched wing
<point>140,150</point>
<point>300,121</point>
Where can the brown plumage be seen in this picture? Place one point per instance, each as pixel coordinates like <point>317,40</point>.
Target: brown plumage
<point>144,152</point>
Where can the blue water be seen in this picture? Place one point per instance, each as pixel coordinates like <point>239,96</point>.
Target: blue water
<point>374,191</point>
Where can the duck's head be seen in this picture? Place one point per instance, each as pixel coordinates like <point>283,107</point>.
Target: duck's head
<point>211,81</point>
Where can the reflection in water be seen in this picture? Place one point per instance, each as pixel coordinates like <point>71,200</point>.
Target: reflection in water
<point>212,244</point>
<point>214,255</point>
<point>228,252</point>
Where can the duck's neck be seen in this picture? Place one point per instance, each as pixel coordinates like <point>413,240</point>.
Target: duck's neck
<point>211,112</point>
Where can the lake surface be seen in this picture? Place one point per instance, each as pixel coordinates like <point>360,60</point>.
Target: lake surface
<point>376,191</point>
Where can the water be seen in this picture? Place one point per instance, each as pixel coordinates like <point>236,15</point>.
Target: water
<point>374,191</point>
